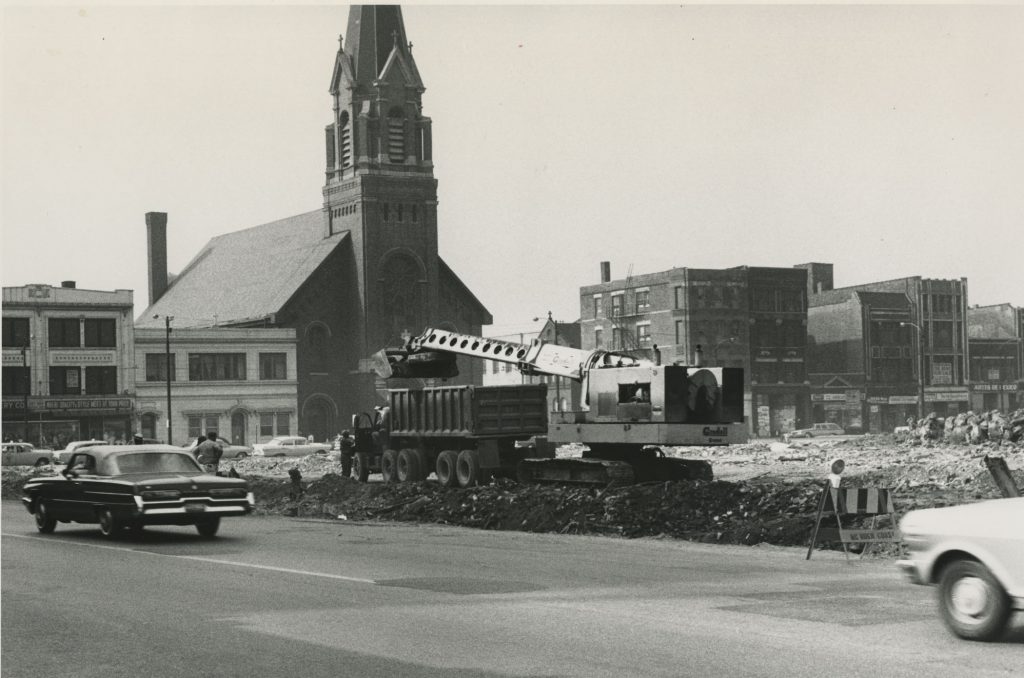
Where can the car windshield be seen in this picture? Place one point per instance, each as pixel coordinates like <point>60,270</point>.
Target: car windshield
<point>152,462</point>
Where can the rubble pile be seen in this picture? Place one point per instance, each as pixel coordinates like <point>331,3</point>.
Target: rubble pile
<point>764,492</point>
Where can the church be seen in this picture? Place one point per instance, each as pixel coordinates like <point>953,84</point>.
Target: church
<point>355,275</point>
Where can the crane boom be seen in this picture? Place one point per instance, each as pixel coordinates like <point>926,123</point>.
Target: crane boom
<point>536,357</point>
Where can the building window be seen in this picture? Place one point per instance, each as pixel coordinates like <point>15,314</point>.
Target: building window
<point>16,380</point>
<point>597,305</point>
<point>149,426</point>
<point>65,380</point>
<point>679,296</point>
<point>643,300</point>
<point>15,332</point>
<point>617,339</point>
<point>274,424</point>
<point>679,332</point>
<point>156,367</point>
<point>942,335</point>
<point>65,333</point>
<point>216,367</point>
<point>766,373</point>
<point>201,424</point>
<point>101,380</point>
<point>273,366</point>
<point>728,297</point>
<point>100,332</point>
<point>643,334</point>
<point>598,338</point>
<point>616,305</point>
<point>942,372</point>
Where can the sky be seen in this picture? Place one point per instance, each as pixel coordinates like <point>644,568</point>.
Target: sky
<point>884,139</point>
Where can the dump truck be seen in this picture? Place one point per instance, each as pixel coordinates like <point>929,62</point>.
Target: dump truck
<point>630,409</point>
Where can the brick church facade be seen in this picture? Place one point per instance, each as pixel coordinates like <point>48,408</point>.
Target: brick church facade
<point>353,276</point>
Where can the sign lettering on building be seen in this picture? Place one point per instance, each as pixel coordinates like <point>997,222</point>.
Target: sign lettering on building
<point>14,359</point>
<point>952,396</point>
<point>903,400</point>
<point>81,358</point>
<point>89,404</point>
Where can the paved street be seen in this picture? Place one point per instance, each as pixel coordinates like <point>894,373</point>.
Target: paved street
<point>278,596</point>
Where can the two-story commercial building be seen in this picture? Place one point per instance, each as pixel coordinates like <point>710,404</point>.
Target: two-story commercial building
<point>68,364</point>
<point>995,357</point>
<point>240,382</point>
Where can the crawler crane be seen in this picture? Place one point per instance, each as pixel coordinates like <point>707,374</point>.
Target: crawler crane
<point>630,409</point>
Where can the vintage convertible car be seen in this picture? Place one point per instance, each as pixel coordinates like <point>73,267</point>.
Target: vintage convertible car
<point>131,486</point>
<point>975,554</point>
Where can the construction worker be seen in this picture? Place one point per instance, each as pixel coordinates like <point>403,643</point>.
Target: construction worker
<point>347,445</point>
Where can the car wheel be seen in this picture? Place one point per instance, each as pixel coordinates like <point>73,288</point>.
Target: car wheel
<point>972,602</point>
<point>45,522</point>
<point>108,523</point>
<point>208,526</point>
<point>42,462</point>
<point>241,455</point>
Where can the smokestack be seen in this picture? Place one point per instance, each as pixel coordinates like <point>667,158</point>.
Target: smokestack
<point>606,271</point>
<point>156,233</point>
<point>68,284</point>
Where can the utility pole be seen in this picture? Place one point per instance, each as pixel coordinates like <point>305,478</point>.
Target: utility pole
<point>167,368</point>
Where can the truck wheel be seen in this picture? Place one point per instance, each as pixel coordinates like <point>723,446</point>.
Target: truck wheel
<point>45,522</point>
<point>388,461</point>
<point>361,466</point>
<point>468,468</point>
<point>972,602</point>
<point>421,463</point>
<point>407,468</point>
<point>445,468</point>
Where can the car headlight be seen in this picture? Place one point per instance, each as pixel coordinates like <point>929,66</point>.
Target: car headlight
<point>161,495</point>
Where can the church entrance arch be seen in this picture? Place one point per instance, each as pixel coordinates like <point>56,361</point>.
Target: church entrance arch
<point>319,418</point>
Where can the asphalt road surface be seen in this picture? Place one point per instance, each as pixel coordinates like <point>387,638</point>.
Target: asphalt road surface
<point>308,598</point>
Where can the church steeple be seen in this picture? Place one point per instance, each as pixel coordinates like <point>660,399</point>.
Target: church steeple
<point>376,90</point>
<point>380,184</point>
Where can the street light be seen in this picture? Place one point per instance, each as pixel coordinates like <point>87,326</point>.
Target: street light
<point>167,367</point>
<point>920,367</point>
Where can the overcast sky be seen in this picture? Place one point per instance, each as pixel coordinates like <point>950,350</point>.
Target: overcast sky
<point>887,140</point>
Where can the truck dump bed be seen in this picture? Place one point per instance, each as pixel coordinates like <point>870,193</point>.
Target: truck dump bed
<point>470,411</point>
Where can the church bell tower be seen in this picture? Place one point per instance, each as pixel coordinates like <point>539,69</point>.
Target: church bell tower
<point>380,184</point>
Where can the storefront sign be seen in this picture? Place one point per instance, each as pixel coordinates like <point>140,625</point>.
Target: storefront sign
<point>90,404</point>
<point>14,359</point>
<point>82,358</point>
<point>903,400</point>
<point>833,396</point>
<point>878,400</point>
<point>942,397</point>
<point>14,404</point>
<point>995,387</point>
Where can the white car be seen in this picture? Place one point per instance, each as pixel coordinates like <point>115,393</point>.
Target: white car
<point>975,554</point>
<point>289,446</point>
<point>823,429</point>
<point>72,447</point>
<point>25,454</point>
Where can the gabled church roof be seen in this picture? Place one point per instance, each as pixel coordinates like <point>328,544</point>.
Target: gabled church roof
<point>246,275</point>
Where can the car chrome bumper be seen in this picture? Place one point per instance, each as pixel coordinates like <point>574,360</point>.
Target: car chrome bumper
<point>181,511</point>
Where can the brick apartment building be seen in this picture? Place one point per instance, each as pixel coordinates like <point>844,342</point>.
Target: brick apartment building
<point>749,317</point>
<point>563,394</point>
<point>996,351</point>
<point>871,334</point>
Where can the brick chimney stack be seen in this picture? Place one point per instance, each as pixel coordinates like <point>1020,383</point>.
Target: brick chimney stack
<point>156,232</point>
<point>606,271</point>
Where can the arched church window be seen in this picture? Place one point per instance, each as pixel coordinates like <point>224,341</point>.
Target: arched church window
<point>317,345</point>
<point>396,135</point>
<point>401,295</point>
<point>344,140</point>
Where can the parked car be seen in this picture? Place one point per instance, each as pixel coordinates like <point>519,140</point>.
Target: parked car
<point>131,486</point>
<point>230,451</point>
<point>974,553</point>
<point>25,454</point>
<point>823,429</point>
<point>289,446</point>
<point>65,454</point>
